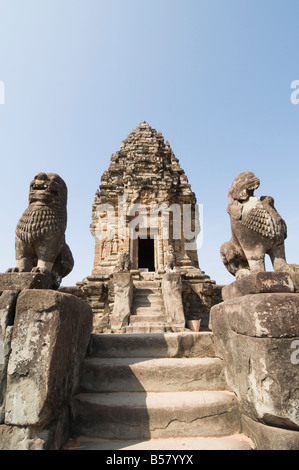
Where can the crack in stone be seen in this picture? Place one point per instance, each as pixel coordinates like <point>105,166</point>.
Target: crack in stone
<point>189,422</point>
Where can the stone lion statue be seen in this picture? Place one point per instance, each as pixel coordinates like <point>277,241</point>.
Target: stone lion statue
<point>40,234</point>
<point>257,229</point>
<point>170,260</point>
<point>123,263</point>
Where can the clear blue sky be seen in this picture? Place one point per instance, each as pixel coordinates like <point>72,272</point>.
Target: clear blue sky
<point>213,76</point>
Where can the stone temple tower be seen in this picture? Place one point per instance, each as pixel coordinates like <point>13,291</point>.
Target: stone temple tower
<point>145,222</point>
<point>143,178</point>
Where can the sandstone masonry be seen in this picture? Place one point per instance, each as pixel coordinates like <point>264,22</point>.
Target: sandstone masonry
<point>146,212</point>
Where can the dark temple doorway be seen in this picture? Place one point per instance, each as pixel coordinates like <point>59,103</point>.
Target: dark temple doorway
<point>146,253</point>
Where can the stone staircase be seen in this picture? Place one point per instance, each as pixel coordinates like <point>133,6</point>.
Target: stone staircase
<point>154,391</point>
<point>147,312</point>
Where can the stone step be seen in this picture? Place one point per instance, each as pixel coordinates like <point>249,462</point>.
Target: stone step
<point>143,305</point>
<point>155,415</point>
<point>150,276</point>
<point>148,301</point>
<point>144,317</point>
<point>146,328</point>
<point>185,344</point>
<point>151,375</point>
<point>151,293</point>
<point>147,311</point>
<point>233,442</point>
<point>151,288</point>
<point>147,284</point>
<point>155,307</point>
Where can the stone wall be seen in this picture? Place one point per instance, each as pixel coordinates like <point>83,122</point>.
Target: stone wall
<point>45,334</point>
<point>255,330</point>
<point>199,295</point>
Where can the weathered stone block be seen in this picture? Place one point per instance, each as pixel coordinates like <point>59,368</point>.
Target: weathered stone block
<point>14,438</point>
<point>123,290</point>
<point>50,337</point>
<point>21,281</point>
<point>293,270</point>
<point>258,283</point>
<point>172,296</point>
<point>5,346</point>
<point>254,335</point>
<point>262,315</point>
<point>270,437</point>
<point>8,300</point>
<point>74,290</point>
<point>7,310</point>
<point>94,288</point>
<point>51,437</point>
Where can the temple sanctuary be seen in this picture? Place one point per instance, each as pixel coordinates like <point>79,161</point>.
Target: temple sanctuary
<point>147,352</point>
<point>143,174</point>
<point>145,221</point>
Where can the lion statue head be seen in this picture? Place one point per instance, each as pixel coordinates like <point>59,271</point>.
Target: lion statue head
<point>48,189</point>
<point>243,186</point>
